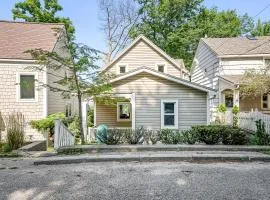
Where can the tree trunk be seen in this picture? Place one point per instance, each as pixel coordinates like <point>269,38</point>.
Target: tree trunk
<point>80,117</point>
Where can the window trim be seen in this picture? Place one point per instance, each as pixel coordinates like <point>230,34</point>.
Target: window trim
<point>121,65</point>
<point>268,102</point>
<point>163,126</point>
<point>18,88</point>
<point>165,67</point>
<point>118,114</point>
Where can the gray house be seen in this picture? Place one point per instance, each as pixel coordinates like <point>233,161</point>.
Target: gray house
<point>220,64</point>
<point>157,91</point>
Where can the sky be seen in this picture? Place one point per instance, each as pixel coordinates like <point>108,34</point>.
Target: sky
<point>85,17</point>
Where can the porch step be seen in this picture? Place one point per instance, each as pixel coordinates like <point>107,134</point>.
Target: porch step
<point>157,148</point>
<point>188,156</point>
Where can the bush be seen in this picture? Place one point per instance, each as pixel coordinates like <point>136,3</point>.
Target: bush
<point>210,134</point>
<point>6,148</point>
<point>189,136</point>
<point>15,130</point>
<point>111,136</point>
<point>260,137</point>
<point>234,136</point>
<point>168,136</point>
<point>135,136</point>
<point>151,136</point>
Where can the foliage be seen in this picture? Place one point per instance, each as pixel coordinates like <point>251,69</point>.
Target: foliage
<point>112,136</point>
<point>151,136</point>
<point>15,130</point>
<point>176,26</point>
<point>5,148</point>
<point>74,126</point>
<point>260,137</point>
<point>208,134</point>
<point>90,117</point>
<point>221,108</point>
<point>2,125</point>
<point>47,123</point>
<point>34,11</point>
<point>261,29</point>
<point>189,136</point>
<point>135,136</point>
<point>168,136</point>
<point>235,111</point>
<point>234,136</point>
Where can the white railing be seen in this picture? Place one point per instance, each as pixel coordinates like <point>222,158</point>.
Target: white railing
<point>247,120</point>
<point>62,136</point>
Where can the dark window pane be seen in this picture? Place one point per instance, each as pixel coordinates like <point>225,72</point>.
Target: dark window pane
<point>265,97</point>
<point>124,111</point>
<point>265,105</point>
<point>122,69</point>
<point>229,101</point>
<point>161,68</point>
<point>169,107</point>
<point>169,120</point>
<point>27,86</point>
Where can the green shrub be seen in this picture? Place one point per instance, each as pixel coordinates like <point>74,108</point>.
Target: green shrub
<point>189,136</point>
<point>168,136</point>
<point>73,125</point>
<point>260,137</point>
<point>135,136</point>
<point>111,136</point>
<point>6,148</point>
<point>15,130</point>
<point>209,134</point>
<point>151,136</point>
<point>235,111</point>
<point>47,123</point>
<point>234,136</point>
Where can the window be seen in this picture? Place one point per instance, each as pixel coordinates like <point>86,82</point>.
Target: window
<point>265,100</point>
<point>123,111</point>
<point>26,89</point>
<point>229,100</point>
<point>161,68</point>
<point>122,69</point>
<point>169,114</point>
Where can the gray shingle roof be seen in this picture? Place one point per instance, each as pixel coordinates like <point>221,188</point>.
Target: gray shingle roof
<point>239,45</point>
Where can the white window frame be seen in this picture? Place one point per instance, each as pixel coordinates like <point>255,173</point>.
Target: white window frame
<point>18,88</point>
<point>121,65</point>
<point>268,102</point>
<point>175,101</point>
<point>118,114</point>
<point>165,67</point>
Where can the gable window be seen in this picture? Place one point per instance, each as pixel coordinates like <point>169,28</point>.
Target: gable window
<point>26,87</point>
<point>161,68</point>
<point>123,111</point>
<point>122,69</point>
<point>169,114</point>
<point>265,101</point>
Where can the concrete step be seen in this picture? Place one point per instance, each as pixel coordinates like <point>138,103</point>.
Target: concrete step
<point>189,156</point>
<point>143,148</point>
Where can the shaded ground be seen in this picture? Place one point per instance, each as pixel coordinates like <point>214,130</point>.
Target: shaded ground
<point>19,179</point>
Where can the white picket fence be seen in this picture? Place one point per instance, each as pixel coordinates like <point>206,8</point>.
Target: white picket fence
<point>62,136</point>
<point>247,120</point>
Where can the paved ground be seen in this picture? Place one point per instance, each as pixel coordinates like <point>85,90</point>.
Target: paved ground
<point>19,179</point>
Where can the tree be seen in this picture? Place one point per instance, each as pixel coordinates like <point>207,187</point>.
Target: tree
<point>117,17</point>
<point>176,26</point>
<point>261,29</point>
<point>83,78</point>
<point>34,11</point>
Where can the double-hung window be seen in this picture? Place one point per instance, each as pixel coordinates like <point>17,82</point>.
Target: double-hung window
<point>265,101</point>
<point>122,68</point>
<point>26,87</point>
<point>169,114</point>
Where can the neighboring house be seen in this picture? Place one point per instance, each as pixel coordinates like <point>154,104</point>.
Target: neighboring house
<point>220,63</point>
<point>157,91</point>
<point>21,87</point>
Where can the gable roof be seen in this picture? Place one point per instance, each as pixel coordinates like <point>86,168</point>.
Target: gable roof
<point>176,62</point>
<point>18,37</point>
<point>161,75</point>
<point>239,45</point>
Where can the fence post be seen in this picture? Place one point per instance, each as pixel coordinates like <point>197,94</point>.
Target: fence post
<point>56,133</point>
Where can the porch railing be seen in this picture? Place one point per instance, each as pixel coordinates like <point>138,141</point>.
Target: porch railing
<point>62,136</point>
<point>247,120</point>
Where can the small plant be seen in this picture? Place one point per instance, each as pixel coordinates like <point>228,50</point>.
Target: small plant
<point>135,136</point>
<point>234,136</point>
<point>261,137</point>
<point>111,136</point>
<point>208,134</point>
<point>189,136</point>
<point>168,136</point>
<point>151,136</point>
<point>2,125</point>
<point>222,110</point>
<point>235,111</point>
<point>15,130</point>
